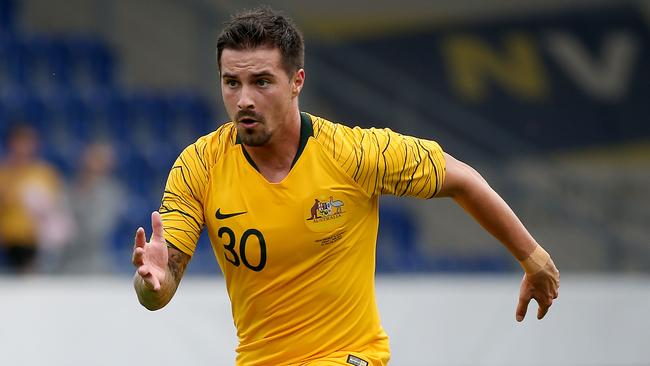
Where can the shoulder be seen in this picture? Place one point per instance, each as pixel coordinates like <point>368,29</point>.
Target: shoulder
<point>209,148</point>
<point>191,172</point>
<point>337,135</point>
<point>329,133</point>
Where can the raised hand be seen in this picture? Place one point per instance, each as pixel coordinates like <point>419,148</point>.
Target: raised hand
<point>150,258</point>
<point>542,286</point>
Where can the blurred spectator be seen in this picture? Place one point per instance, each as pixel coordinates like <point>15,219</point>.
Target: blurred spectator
<point>33,220</point>
<point>97,200</point>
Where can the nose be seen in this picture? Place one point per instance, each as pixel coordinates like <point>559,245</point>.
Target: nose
<point>245,100</point>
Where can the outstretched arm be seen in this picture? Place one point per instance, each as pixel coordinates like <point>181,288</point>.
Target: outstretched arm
<point>541,280</point>
<point>159,268</point>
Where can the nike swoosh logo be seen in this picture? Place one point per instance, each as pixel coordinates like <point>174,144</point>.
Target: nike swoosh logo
<point>221,216</point>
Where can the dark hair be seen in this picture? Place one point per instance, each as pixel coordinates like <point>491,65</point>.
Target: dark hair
<point>263,26</point>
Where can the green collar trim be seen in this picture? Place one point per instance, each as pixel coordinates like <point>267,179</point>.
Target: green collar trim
<point>306,131</point>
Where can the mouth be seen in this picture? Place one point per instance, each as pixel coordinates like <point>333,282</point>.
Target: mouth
<point>247,122</point>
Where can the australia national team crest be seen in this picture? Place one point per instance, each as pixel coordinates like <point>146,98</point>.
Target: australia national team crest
<point>324,212</point>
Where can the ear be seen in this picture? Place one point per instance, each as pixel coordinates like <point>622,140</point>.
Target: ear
<point>297,82</point>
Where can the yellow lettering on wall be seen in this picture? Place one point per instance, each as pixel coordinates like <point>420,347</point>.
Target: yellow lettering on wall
<point>473,65</point>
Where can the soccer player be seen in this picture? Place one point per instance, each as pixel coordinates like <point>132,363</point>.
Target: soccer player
<point>290,202</point>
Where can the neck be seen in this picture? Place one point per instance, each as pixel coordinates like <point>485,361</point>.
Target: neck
<point>274,158</point>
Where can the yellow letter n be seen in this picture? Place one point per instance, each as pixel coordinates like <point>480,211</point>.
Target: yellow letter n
<point>472,65</point>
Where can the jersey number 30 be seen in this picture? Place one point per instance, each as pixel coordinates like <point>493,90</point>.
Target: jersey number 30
<point>233,257</point>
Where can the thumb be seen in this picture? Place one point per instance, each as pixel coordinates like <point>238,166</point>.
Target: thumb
<point>152,282</point>
<point>157,228</point>
<point>522,307</point>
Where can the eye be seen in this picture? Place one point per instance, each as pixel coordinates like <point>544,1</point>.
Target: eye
<point>262,82</point>
<point>231,83</point>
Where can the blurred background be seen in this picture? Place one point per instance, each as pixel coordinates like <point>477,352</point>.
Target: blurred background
<point>548,99</point>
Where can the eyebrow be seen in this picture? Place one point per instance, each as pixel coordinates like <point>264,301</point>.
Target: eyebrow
<point>263,74</point>
<point>260,74</point>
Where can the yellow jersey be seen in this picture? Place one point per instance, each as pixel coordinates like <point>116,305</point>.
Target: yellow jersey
<point>298,256</point>
<point>21,188</point>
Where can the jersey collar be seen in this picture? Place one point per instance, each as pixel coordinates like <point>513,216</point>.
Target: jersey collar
<point>306,131</point>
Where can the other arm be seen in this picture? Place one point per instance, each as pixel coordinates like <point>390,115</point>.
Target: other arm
<point>159,268</point>
<point>542,279</point>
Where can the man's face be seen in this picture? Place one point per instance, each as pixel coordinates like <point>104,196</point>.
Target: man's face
<point>258,94</point>
<point>24,144</point>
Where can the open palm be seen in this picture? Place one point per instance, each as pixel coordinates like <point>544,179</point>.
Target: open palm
<point>150,258</point>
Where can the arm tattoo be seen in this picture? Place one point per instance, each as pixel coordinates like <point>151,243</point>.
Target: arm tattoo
<point>177,263</point>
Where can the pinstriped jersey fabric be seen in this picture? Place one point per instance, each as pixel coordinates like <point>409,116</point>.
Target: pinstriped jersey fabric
<point>184,195</point>
<point>382,161</point>
<point>298,256</point>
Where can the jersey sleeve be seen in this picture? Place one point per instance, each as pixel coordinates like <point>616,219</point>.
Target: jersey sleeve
<point>182,203</point>
<point>385,162</point>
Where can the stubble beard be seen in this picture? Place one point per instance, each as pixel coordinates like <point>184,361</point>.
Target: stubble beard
<point>253,137</point>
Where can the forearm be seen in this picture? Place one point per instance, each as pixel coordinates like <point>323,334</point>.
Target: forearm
<point>495,216</point>
<point>468,188</point>
<point>542,279</point>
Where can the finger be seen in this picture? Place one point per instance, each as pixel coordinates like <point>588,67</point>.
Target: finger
<point>543,309</point>
<point>144,272</point>
<point>157,227</point>
<point>138,257</point>
<point>140,238</point>
<point>149,279</point>
<point>156,283</point>
<point>522,308</point>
